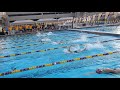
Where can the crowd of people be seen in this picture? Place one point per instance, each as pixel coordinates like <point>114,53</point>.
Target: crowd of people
<point>92,23</point>
<point>27,28</point>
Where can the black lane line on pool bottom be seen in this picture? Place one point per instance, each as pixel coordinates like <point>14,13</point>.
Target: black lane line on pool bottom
<point>55,63</point>
<point>41,43</point>
<point>25,40</point>
<point>23,53</point>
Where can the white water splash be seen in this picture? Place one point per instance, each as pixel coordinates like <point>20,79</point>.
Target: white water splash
<point>57,42</point>
<point>46,39</point>
<point>78,40</point>
<point>54,43</point>
<point>66,51</point>
<point>38,34</point>
<point>73,48</point>
<point>117,30</point>
<point>83,38</point>
<point>116,45</point>
<point>94,46</point>
<point>49,33</point>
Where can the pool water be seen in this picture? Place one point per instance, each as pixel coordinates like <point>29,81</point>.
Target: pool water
<point>111,29</point>
<point>78,69</point>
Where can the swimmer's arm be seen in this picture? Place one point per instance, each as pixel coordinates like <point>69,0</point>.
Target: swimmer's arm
<point>116,71</point>
<point>109,70</point>
<point>69,50</point>
<point>82,50</point>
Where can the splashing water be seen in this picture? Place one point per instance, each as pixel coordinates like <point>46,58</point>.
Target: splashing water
<point>78,40</point>
<point>116,45</point>
<point>49,33</point>
<point>46,39</point>
<point>73,48</point>
<point>82,38</point>
<point>117,30</point>
<point>55,43</point>
<point>66,51</point>
<point>39,34</point>
<point>94,46</point>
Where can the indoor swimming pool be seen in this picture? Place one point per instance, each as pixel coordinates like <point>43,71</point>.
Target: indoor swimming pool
<point>43,55</point>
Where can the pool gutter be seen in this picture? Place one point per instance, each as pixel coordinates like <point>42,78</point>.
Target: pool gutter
<point>95,32</point>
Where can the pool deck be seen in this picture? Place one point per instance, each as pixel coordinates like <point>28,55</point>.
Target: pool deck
<point>95,32</point>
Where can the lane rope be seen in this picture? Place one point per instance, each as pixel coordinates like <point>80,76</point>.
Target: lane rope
<point>23,53</point>
<point>30,40</point>
<point>55,63</point>
<point>41,43</point>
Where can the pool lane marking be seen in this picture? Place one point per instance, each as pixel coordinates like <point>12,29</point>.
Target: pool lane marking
<point>24,40</point>
<point>41,43</point>
<point>34,41</point>
<point>23,53</point>
<point>55,63</point>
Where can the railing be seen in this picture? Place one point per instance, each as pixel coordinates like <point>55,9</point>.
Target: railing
<point>32,13</point>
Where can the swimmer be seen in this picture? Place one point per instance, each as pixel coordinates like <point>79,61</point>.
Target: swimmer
<point>108,70</point>
<point>75,49</point>
<point>13,69</point>
<point>44,40</point>
<point>58,42</point>
<point>40,40</point>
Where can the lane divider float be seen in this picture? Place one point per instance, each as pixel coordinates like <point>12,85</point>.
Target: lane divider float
<point>30,40</point>
<point>23,53</point>
<point>55,63</point>
<point>41,43</point>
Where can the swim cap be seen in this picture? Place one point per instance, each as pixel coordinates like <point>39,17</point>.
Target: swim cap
<point>99,71</point>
